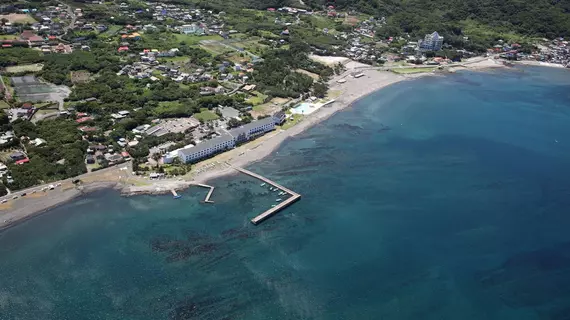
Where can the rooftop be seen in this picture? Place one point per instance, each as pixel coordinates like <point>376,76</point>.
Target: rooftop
<point>207,144</point>
<point>229,112</point>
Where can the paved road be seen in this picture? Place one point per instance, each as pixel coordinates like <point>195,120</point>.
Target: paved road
<point>70,11</point>
<point>420,66</point>
<point>6,91</point>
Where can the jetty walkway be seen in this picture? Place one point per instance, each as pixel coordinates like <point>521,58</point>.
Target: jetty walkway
<point>207,199</point>
<point>266,214</point>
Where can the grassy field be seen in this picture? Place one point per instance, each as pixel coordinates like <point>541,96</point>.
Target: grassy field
<point>215,48</point>
<point>258,99</point>
<point>8,85</point>
<point>112,31</point>
<point>206,115</point>
<point>4,105</point>
<point>25,68</point>
<point>321,22</point>
<point>8,37</point>
<point>251,45</point>
<point>255,100</point>
<point>310,74</point>
<point>412,70</point>
<point>19,18</point>
<point>192,39</point>
<point>291,121</point>
<point>477,30</point>
<point>175,59</point>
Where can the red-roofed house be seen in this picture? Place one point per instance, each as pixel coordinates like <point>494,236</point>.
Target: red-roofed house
<point>84,119</point>
<point>36,39</point>
<point>27,105</point>
<point>26,160</point>
<point>271,9</point>
<point>27,34</point>
<point>123,49</point>
<point>7,45</point>
<point>87,129</point>
<point>81,115</point>
<point>62,48</point>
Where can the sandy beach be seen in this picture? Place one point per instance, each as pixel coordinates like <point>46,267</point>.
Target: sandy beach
<point>539,64</point>
<point>345,95</point>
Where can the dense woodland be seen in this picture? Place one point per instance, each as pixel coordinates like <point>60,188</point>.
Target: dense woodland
<point>542,18</point>
<point>61,157</point>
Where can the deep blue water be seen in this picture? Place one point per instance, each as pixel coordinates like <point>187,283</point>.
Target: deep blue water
<point>438,198</point>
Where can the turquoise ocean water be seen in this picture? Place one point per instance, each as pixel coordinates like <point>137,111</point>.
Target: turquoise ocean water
<point>438,198</point>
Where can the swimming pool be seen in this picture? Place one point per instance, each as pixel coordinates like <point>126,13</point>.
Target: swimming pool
<point>303,108</point>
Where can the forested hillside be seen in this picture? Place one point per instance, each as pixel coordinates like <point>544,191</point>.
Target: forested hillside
<point>544,18</point>
<point>548,18</point>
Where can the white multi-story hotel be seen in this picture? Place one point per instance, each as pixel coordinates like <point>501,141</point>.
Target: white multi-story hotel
<point>431,42</point>
<point>206,148</point>
<point>226,140</point>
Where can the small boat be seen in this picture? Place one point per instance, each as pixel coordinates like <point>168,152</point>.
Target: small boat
<point>177,197</point>
<point>278,200</point>
<point>273,205</point>
<point>275,189</point>
<point>262,185</point>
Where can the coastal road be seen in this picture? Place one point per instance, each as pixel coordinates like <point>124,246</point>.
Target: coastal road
<point>421,66</point>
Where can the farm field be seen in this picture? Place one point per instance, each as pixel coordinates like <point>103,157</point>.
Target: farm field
<point>18,18</point>
<point>25,68</point>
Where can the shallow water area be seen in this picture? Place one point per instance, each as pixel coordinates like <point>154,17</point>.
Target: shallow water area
<point>437,198</point>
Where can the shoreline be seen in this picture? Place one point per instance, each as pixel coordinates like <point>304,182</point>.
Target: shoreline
<point>349,93</point>
<point>539,64</point>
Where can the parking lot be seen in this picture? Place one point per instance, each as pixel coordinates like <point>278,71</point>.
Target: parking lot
<point>179,125</point>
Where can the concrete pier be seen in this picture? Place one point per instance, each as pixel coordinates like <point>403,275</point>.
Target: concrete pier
<point>174,193</point>
<point>266,214</point>
<point>207,199</point>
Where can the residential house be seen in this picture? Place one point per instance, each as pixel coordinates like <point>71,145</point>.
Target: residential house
<point>279,117</point>
<point>191,29</point>
<point>18,155</point>
<point>141,129</point>
<point>90,159</point>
